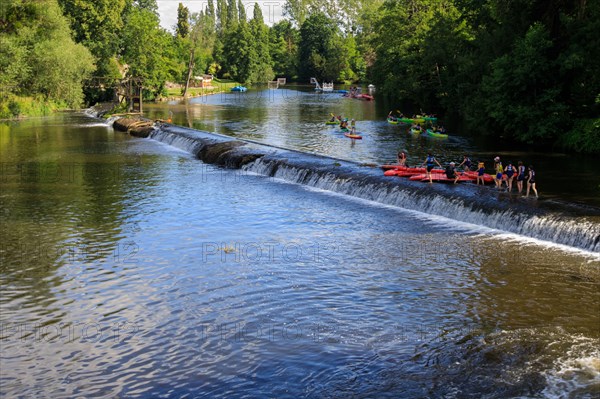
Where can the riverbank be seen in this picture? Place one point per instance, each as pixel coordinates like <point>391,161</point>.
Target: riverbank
<point>17,108</point>
<point>175,93</point>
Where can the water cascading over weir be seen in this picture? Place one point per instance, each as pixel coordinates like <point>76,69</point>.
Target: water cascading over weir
<point>562,223</point>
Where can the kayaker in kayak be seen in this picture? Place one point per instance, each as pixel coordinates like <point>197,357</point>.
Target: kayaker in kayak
<point>392,117</point>
<point>451,172</point>
<point>510,174</point>
<point>520,176</point>
<point>531,182</point>
<point>480,173</point>
<point>430,161</point>
<point>344,124</point>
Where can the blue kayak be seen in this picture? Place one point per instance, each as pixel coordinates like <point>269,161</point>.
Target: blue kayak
<point>238,88</point>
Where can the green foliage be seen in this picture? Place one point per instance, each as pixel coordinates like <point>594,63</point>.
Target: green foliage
<point>283,47</point>
<point>39,57</point>
<point>242,12</point>
<point>146,49</point>
<point>183,23</point>
<point>222,15</point>
<point>98,26</point>
<point>583,137</point>
<point>12,106</point>
<point>240,53</point>
<point>520,69</point>
<point>321,49</point>
<point>521,94</point>
<point>232,14</point>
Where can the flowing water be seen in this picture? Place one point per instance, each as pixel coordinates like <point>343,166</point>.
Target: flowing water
<point>131,268</point>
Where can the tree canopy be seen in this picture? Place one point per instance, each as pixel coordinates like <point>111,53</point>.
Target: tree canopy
<point>523,69</point>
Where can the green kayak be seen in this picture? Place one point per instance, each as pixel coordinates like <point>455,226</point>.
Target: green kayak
<point>436,134</point>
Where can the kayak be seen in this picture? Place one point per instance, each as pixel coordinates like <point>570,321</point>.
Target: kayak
<point>344,129</point>
<point>407,169</point>
<point>440,177</point>
<point>332,123</point>
<point>428,118</point>
<point>353,136</point>
<point>392,121</point>
<point>407,172</point>
<point>415,131</point>
<point>431,133</point>
<point>239,88</point>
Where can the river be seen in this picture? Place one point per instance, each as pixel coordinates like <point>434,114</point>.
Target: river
<point>129,268</point>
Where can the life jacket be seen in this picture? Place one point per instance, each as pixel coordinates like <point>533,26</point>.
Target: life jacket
<point>430,160</point>
<point>510,168</point>
<point>480,165</point>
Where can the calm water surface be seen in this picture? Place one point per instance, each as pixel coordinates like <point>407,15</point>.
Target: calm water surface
<point>130,269</point>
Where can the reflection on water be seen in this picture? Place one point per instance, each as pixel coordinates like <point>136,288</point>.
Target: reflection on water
<point>295,119</point>
<point>130,269</point>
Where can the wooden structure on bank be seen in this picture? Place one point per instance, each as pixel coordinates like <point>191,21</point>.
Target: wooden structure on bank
<point>128,90</point>
<point>203,81</point>
<point>274,84</point>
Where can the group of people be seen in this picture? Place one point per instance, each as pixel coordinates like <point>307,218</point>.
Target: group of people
<point>393,117</point>
<point>511,172</point>
<point>344,123</point>
<point>519,172</point>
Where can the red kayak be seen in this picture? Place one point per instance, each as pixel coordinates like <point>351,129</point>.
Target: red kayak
<point>438,177</point>
<point>392,166</point>
<point>405,172</point>
<point>353,136</point>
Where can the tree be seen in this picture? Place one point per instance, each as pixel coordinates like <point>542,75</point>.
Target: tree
<point>97,25</point>
<point>222,16</point>
<point>145,49</point>
<point>319,49</point>
<point>240,54</point>
<point>183,24</point>
<point>232,14</point>
<point>242,12</point>
<point>38,55</point>
<point>521,94</point>
<point>261,68</point>
<point>283,38</point>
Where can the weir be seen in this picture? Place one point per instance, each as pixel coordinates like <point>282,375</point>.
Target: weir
<point>571,225</point>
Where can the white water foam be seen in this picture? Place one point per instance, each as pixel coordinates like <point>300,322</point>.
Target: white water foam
<point>463,227</point>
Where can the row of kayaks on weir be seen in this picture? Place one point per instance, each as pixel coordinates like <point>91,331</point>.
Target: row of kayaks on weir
<point>437,175</point>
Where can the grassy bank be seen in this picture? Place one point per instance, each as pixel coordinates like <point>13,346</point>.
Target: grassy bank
<point>218,86</point>
<point>15,107</point>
